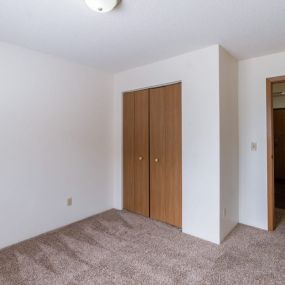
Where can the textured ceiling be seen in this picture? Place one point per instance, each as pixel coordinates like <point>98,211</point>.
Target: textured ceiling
<point>143,31</point>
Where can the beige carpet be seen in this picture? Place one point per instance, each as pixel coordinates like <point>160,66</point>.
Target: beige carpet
<point>117,247</point>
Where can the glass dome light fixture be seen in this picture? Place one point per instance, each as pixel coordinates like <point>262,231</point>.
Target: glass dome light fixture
<point>102,6</point>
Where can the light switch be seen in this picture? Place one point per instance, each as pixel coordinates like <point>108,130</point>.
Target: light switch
<point>253,146</point>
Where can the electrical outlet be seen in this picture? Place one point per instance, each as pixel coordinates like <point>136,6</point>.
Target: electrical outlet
<point>253,146</point>
<point>225,212</point>
<point>69,202</point>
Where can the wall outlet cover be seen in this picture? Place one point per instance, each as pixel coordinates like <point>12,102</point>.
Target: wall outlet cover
<point>253,146</point>
<point>69,202</point>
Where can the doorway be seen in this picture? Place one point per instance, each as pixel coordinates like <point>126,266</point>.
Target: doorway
<point>275,146</point>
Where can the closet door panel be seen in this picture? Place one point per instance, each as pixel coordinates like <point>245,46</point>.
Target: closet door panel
<point>157,148</point>
<point>165,154</point>
<point>129,151</point>
<point>142,152</point>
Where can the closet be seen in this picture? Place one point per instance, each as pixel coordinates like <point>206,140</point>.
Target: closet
<point>152,163</point>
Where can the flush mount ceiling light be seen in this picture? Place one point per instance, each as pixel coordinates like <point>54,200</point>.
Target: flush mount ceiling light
<point>102,6</point>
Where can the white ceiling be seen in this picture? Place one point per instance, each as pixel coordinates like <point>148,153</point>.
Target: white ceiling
<point>143,31</point>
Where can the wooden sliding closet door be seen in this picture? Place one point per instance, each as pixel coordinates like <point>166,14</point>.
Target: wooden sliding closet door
<point>136,152</point>
<point>165,154</point>
<point>142,152</point>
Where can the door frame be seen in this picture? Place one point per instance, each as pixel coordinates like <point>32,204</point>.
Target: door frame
<point>270,150</point>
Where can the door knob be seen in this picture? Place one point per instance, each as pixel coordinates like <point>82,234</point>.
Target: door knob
<point>140,158</point>
<point>156,160</point>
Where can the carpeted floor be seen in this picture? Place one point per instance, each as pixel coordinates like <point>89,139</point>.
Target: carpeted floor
<point>118,247</point>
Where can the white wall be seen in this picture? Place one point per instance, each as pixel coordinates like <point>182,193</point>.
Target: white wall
<point>56,142</point>
<point>58,139</point>
<point>199,73</point>
<point>228,143</point>
<point>252,128</point>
